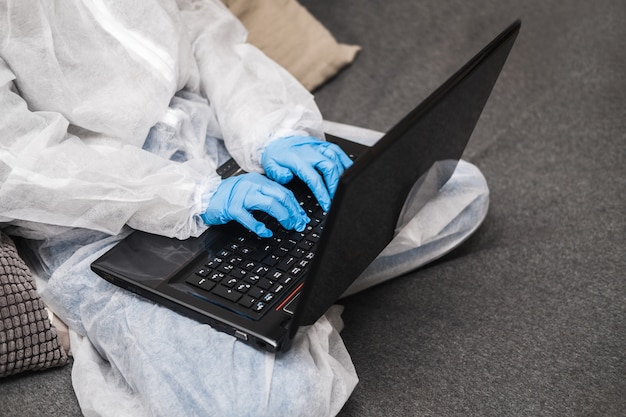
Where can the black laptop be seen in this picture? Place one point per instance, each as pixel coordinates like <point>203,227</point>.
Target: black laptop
<point>262,290</point>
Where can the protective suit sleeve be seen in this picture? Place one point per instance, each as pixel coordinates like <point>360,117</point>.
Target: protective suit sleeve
<point>254,98</point>
<point>49,176</point>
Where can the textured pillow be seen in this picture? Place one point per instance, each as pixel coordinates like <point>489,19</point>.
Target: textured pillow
<point>27,340</point>
<point>286,32</point>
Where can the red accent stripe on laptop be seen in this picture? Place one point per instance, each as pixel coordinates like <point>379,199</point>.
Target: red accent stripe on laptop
<point>286,300</point>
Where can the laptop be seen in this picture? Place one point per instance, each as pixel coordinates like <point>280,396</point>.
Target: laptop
<point>262,290</point>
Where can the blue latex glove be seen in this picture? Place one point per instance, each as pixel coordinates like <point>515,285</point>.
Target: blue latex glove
<point>319,164</point>
<point>236,197</point>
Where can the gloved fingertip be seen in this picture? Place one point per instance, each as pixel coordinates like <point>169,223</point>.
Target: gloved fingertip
<point>264,232</point>
<point>297,223</point>
<point>302,224</point>
<point>283,177</point>
<point>277,173</point>
<point>324,202</point>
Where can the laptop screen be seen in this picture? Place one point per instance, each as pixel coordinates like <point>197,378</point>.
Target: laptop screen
<point>372,192</point>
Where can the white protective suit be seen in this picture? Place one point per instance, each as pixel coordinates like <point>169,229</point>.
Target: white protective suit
<point>83,82</point>
<point>117,113</point>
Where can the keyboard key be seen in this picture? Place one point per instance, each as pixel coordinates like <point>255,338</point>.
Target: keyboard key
<point>274,275</point>
<point>298,252</point>
<point>230,282</point>
<point>295,271</point>
<point>286,280</point>
<point>248,265</point>
<point>289,243</point>
<point>247,301</point>
<point>200,282</point>
<point>225,268</point>
<point>268,297</point>
<point>256,292</point>
<point>277,288</point>
<point>224,253</point>
<point>216,276</point>
<point>261,270</point>
<point>271,260</point>
<point>281,251</point>
<point>214,263</point>
<point>265,284</point>
<point>235,260</point>
<point>203,272</point>
<point>243,287</point>
<point>227,293</point>
<point>286,263</point>
<point>258,306</point>
<point>238,273</point>
<point>260,253</point>
<point>252,278</point>
<point>306,244</point>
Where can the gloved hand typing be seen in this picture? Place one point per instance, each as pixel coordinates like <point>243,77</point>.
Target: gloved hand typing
<point>319,164</point>
<point>236,197</point>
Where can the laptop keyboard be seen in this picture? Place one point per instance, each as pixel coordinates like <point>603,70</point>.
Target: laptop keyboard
<point>250,274</point>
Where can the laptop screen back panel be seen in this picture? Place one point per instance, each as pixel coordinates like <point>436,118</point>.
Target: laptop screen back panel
<point>372,192</point>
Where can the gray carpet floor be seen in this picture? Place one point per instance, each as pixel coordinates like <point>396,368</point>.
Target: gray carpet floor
<point>526,318</point>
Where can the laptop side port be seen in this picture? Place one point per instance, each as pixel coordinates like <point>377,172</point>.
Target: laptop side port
<point>241,335</point>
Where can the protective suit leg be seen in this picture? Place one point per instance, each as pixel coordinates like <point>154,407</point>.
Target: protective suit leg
<point>133,357</point>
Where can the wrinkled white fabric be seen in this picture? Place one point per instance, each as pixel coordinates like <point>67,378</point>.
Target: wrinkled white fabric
<point>226,389</point>
<point>133,357</point>
<point>83,83</point>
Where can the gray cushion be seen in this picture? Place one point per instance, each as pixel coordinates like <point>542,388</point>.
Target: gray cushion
<point>27,340</point>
